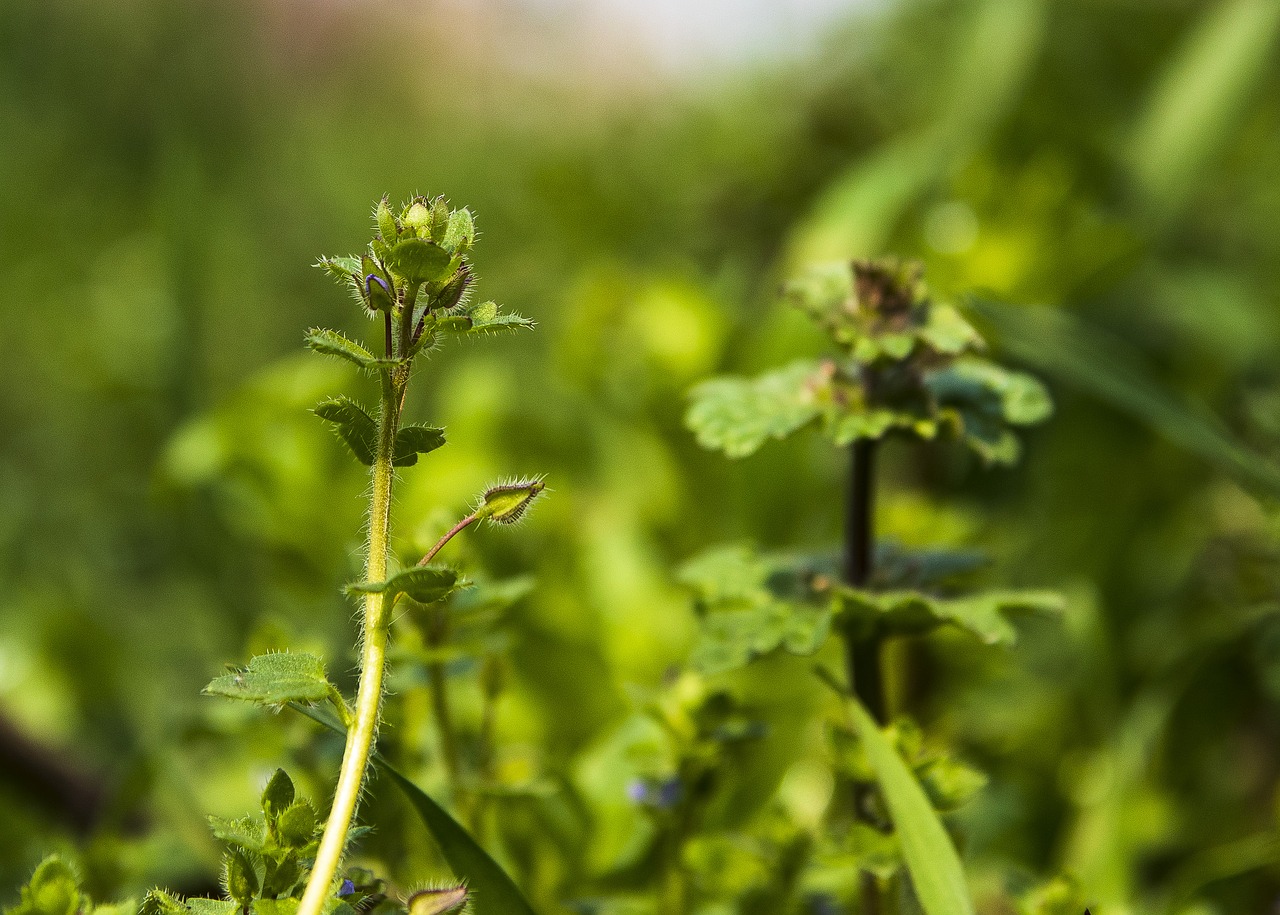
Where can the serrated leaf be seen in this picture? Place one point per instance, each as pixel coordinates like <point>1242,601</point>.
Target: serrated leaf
<point>731,638</point>
<point>158,902</point>
<point>198,905</point>
<point>275,679</point>
<point>914,612</point>
<point>419,260</point>
<point>931,859</point>
<point>244,832</point>
<point>425,584</point>
<point>414,440</point>
<point>341,267</point>
<point>486,318</point>
<point>353,425</point>
<point>738,415</point>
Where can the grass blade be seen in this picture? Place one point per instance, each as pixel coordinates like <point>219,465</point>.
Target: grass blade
<point>1090,360</point>
<point>931,859</point>
<point>491,889</point>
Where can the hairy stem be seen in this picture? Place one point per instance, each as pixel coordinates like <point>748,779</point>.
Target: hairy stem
<point>373,662</point>
<point>448,535</point>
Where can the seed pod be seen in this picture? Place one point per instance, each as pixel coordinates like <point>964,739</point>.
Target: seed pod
<point>437,901</point>
<point>505,503</point>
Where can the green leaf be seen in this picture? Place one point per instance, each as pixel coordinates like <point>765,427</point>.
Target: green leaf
<point>241,880</point>
<point>931,859</point>
<point>738,415</point>
<point>425,584</point>
<point>437,901</point>
<point>331,343</point>
<point>485,318</point>
<point>414,440</point>
<point>247,833</point>
<point>493,891</point>
<point>200,906</point>
<point>419,260</point>
<point>341,267</point>
<point>385,221</point>
<point>276,679</point>
<point>158,902</point>
<point>742,618</point>
<point>914,612</point>
<point>353,425</point>
<point>297,825</point>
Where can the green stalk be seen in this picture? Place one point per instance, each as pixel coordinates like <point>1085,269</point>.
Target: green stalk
<point>373,663</point>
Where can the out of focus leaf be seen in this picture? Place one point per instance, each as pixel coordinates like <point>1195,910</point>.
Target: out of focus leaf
<point>913,612</point>
<point>1199,97</point>
<point>859,209</point>
<point>54,889</point>
<point>1088,359</point>
<point>931,859</point>
<point>742,618</point>
<point>276,679</point>
<point>738,415</point>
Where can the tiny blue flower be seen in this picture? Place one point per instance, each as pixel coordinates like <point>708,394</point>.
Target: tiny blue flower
<point>347,888</point>
<point>638,791</point>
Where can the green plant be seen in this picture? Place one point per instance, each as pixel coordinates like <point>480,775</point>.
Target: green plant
<point>906,365</point>
<point>414,282</point>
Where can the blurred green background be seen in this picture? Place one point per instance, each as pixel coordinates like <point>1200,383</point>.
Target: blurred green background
<point>171,171</point>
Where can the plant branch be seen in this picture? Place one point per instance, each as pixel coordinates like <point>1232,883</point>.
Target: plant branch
<point>449,535</point>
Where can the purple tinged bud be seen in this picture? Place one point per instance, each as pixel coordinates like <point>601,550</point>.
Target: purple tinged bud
<point>347,888</point>
<point>374,278</point>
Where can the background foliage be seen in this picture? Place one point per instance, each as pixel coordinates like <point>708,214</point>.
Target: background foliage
<point>168,505</point>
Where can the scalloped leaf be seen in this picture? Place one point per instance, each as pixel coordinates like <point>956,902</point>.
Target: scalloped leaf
<point>985,615</point>
<point>353,425</point>
<point>425,584</point>
<point>742,618</point>
<point>738,415</point>
<point>276,679</point>
<point>414,440</point>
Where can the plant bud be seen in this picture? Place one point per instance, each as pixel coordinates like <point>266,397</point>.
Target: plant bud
<point>505,503</point>
<point>437,901</point>
<point>418,218</point>
<point>386,222</point>
<point>278,795</point>
<point>454,290</point>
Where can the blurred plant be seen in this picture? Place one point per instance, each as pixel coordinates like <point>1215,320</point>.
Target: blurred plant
<point>909,365</point>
